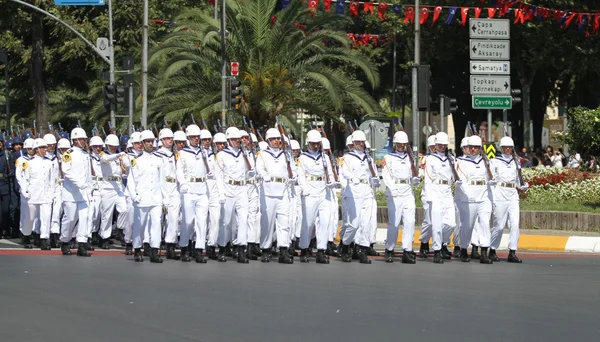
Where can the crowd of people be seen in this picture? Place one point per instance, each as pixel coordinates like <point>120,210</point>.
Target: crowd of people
<point>556,158</point>
<point>231,195</point>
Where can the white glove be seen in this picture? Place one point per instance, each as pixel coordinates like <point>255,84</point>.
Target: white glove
<point>416,180</point>
<point>337,184</point>
<point>329,185</point>
<point>355,181</point>
<point>184,188</point>
<point>165,202</point>
<point>251,173</point>
<point>492,182</point>
<point>95,186</point>
<point>292,181</point>
<point>137,199</point>
<point>458,182</point>
<point>524,187</point>
<point>375,181</point>
<point>221,199</point>
<point>210,175</point>
<point>26,195</point>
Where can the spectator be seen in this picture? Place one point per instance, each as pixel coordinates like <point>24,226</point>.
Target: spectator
<point>547,157</point>
<point>526,158</point>
<point>557,159</point>
<point>575,161</point>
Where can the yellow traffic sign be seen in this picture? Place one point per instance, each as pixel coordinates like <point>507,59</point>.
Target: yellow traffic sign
<point>490,150</point>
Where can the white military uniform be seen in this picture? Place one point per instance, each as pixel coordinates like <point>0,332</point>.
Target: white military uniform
<point>96,198</point>
<point>111,191</point>
<point>253,204</point>
<point>215,208</point>
<point>506,200</point>
<point>21,162</point>
<point>76,194</point>
<point>37,187</point>
<point>173,205</point>
<point>146,184</point>
<point>57,193</point>
<point>125,218</point>
<point>426,225</point>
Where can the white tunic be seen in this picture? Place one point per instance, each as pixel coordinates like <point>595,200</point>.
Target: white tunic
<point>146,180</point>
<point>355,168</point>
<point>472,169</point>
<point>507,178</point>
<point>78,175</point>
<point>438,176</point>
<point>231,167</point>
<point>191,172</point>
<point>271,164</point>
<point>38,180</point>
<point>312,177</point>
<point>397,174</point>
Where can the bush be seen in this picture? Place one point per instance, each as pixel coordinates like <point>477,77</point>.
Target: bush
<point>582,131</point>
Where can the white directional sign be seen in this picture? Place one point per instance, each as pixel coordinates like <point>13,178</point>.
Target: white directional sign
<point>102,45</point>
<point>490,68</point>
<point>489,28</point>
<point>498,50</point>
<point>490,85</point>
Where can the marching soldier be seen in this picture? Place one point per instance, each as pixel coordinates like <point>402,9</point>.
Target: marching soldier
<point>335,214</point>
<point>296,204</point>
<point>344,184</point>
<point>125,218</point>
<point>96,145</point>
<point>215,208</point>
<point>253,198</point>
<point>50,140</point>
<point>20,165</point>
<point>426,225</point>
<point>146,185</point>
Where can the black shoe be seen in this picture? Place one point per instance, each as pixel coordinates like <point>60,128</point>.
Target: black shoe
<point>371,251</point>
<point>36,239</point>
<point>512,257</point>
<point>284,256</point>
<point>82,250</point>
<point>129,249</point>
<point>95,239</point>
<point>155,256</point>
<point>484,259</point>
<point>456,252</point>
<point>146,252</point>
<point>73,244</point>
<point>64,248</point>
<point>438,257</point>
<point>364,255</point>
<point>227,250</point>
<point>88,247</point>
<point>321,257</point>
<point>446,254</point>
<point>475,252</point>
<point>256,250</point>
<point>249,252</point>
<point>355,251</point>
<point>171,254</point>
<point>44,245</point>
<point>54,240</point>
<point>137,255</point>
<point>409,257</point>
<point>104,244</point>
<point>388,256</point>
<point>185,255</point>
<point>191,249</point>
<point>14,233</point>
<point>292,252</point>
<point>346,257</point>
<point>464,255</point>
<point>493,255</point>
<point>242,255</point>
<point>27,242</point>
<point>330,251</point>
<point>222,254</point>
<point>266,256</point>
<point>423,250</point>
<point>211,252</point>
<point>304,255</point>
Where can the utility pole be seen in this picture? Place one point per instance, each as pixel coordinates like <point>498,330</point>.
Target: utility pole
<point>111,50</point>
<point>223,67</point>
<point>394,76</point>
<point>4,59</point>
<point>144,121</point>
<point>415,85</point>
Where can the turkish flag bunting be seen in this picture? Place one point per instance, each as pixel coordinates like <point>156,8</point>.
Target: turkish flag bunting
<point>327,4</point>
<point>409,14</point>
<point>366,38</point>
<point>596,23</point>
<point>436,13</point>
<point>381,8</point>
<point>464,11</point>
<point>491,12</point>
<point>518,16</point>
<point>368,7</point>
<point>569,20</point>
<point>354,9</point>
<point>312,5</point>
<point>424,15</point>
<point>528,15</point>
<point>477,12</point>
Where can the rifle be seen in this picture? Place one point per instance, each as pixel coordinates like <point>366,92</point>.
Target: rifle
<point>34,128</point>
<point>166,123</point>
<point>351,127</point>
<point>409,150</point>
<point>287,148</point>
<point>257,133</point>
<point>12,133</point>
<point>104,132</point>
<point>155,130</point>
<point>454,173</point>
<point>215,128</point>
<point>486,161</point>
<point>95,129</point>
<point>517,165</point>
<point>78,123</point>
<point>193,120</point>
<point>60,127</point>
<point>179,124</point>
<point>322,129</point>
<point>232,121</point>
<point>132,129</point>
<point>220,126</point>
<point>469,127</point>
<point>204,125</point>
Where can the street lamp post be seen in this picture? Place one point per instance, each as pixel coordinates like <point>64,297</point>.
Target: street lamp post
<point>4,60</point>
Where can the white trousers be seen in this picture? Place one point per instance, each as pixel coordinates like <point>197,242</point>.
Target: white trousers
<point>125,220</point>
<point>195,218</point>
<point>443,220</point>
<point>335,216</point>
<point>400,209</point>
<point>295,217</point>
<point>253,214</point>
<point>471,213</point>
<point>359,213</point>
<point>42,213</point>
<point>56,214</point>
<point>172,217</point>
<point>76,212</point>
<point>95,209</point>
<point>506,211</point>
<point>313,207</point>
<point>24,217</point>
<point>147,219</point>
<point>235,213</point>
<point>373,232</point>
<point>108,202</point>
<point>426,225</point>
<point>274,220</point>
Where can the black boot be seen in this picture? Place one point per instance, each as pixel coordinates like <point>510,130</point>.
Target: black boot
<point>265,256</point>
<point>89,247</point>
<point>355,251</point>
<point>27,242</point>
<point>256,250</point>
<point>64,248</point>
<point>54,240</point>
<point>44,245</point>
<point>364,255</point>
<point>137,255</point>
<point>155,257</point>
<point>409,257</point>
<point>185,255</point>
<point>388,256</point>
<point>222,254</point>
<point>292,252</point>
<point>171,254</point>
<point>512,257</point>
<point>36,239</point>
<point>250,252</point>
<point>227,250</point>
<point>464,255</point>
<point>346,257</point>
<point>191,249</point>
<point>330,249</point>
<point>211,252</point>
<point>371,251</point>
<point>484,259</point>
<point>321,257</point>
<point>304,255</point>
<point>438,257</point>
<point>242,255</point>
<point>423,250</point>
<point>456,252</point>
<point>95,239</point>
<point>129,249</point>
<point>446,253</point>
<point>73,244</point>
<point>493,255</point>
<point>146,251</point>
<point>82,250</point>
<point>104,244</point>
<point>475,252</point>
<point>284,256</point>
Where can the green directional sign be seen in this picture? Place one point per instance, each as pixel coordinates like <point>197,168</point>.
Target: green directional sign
<point>492,102</point>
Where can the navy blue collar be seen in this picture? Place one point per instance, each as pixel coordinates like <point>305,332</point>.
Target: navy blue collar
<point>398,155</point>
<point>312,156</point>
<point>355,155</point>
<point>232,152</point>
<point>445,158</point>
<point>273,153</point>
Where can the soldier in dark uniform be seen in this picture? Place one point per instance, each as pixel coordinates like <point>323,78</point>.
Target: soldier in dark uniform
<point>5,171</point>
<point>14,212</point>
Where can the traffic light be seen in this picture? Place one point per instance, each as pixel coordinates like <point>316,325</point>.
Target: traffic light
<point>110,97</point>
<point>424,87</point>
<point>235,93</point>
<point>516,95</point>
<point>120,95</point>
<point>448,105</point>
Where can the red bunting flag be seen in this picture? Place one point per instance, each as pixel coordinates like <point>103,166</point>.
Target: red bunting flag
<point>477,12</point>
<point>312,5</point>
<point>368,7</point>
<point>569,20</point>
<point>366,38</point>
<point>381,8</point>
<point>424,15</point>
<point>409,14</point>
<point>464,11</point>
<point>354,9</point>
<point>596,23</point>
<point>327,4</point>
<point>518,16</point>
<point>436,13</point>
<point>491,12</point>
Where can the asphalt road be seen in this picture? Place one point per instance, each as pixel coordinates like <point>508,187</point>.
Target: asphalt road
<point>110,298</point>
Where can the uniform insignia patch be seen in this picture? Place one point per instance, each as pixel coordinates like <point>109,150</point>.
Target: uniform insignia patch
<point>133,162</point>
<point>66,157</point>
<point>25,165</point>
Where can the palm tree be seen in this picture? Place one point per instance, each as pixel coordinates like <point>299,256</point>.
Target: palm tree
<point>288,60</point>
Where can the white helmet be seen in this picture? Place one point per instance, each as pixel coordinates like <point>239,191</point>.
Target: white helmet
<point>233,133</point>
<point>39,142</point>
<point>254,138</point>
<point>63,143</point>
<point>136,137</point>
<point>359,136</point>
<point>205,134</point>
<point>313,136</point>
<point>28,143</point>
<point>220,138</point>
<point>400,138</point>
<point>179,136</point>
<point>160,144</point>
<point>244,133</point>
<point>349,140</point>
<point>129,144</point>
<point>78,133</point>
<point>441,138</point>
<point>192,130</point>
<point>474,140</point>
<point>431,140</point>
<point>295,145</point>
<point>165,133</point>
<point>272,133</point>
<point>147,135</point>
<point>367,145</point>
<point>507,141</point>
<point>464,142</point>
<point>50,139</point>
<point>326,144</point>
<point>111,140</point>
<point>96,141</point>
<point>263,145</point>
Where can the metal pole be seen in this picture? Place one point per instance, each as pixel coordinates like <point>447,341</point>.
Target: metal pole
<point>442,114</point>
<point>223,66</point>
<point>415,95</point>
<point>98,52</point>
<point>489,124</point>
<point>144,121</point>
<point>111,63</point>
<point>394,77</point>
<point>130,107</point>
<point>504,115</point>
<point>6,91</point>
<point>217,9</point>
